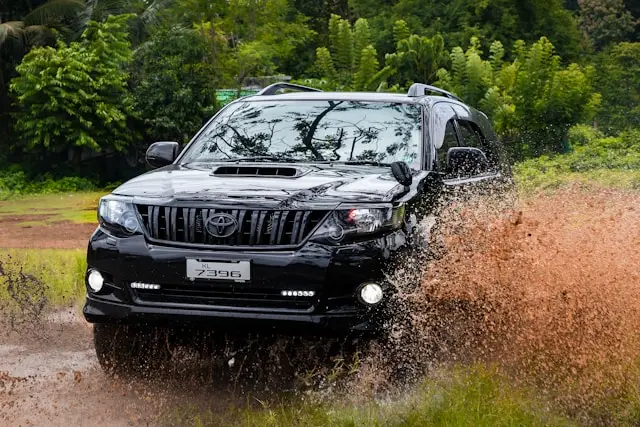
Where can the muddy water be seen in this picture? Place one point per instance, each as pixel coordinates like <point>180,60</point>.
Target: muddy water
<point>548,290</point>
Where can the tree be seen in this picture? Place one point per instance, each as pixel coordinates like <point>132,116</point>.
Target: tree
<point>605,21</point>
<point>324,63</point>
<point>344,47</point>
<point>75,96</point>
<point>459,20</point>
<point>400,31</point>
<point>361,40</point>
<point>173,87</point>
<point>35,23</point>
<point>619,79</point>
<point>350,61</point>
<point>364,78</point>
<point>417,59</point>
<point>532,101</point>
<point>253,38</point>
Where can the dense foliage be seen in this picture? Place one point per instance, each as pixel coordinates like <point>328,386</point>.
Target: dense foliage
<point>601,157</point>
<point>172,88</point>
<point>90,78</point>
<point>76,95</point>
<point>533,100</point>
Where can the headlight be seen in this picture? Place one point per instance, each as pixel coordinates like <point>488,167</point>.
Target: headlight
<point>347,224</point>
<point>118,216</point>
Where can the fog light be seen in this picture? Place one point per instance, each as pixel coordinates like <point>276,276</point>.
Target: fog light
<point>297,293</point>
<point>95,280</point>
<point>146,286</point>
<point>371,293</point>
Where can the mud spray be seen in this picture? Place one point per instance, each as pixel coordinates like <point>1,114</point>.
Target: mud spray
<point>545,289</point>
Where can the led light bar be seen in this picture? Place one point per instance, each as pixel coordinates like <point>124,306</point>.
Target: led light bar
<point>140,285</point>
<point>297,293</point>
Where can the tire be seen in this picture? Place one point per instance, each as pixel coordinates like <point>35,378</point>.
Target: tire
<point>129,349</point>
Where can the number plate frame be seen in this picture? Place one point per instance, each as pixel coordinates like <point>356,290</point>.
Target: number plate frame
<point>227,271</point>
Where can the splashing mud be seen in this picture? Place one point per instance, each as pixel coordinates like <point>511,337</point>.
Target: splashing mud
<point>548,290</point>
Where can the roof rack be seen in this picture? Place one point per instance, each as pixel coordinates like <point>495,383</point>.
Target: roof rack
<point>273,88</point>
<point>419,89</point>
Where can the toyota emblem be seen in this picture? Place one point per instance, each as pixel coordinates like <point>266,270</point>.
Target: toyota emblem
<point>221,225</point>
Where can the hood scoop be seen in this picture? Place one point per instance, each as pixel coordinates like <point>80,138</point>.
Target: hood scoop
<point>273,171</point>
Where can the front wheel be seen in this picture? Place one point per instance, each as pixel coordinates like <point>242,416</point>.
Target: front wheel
<point>129,349</point>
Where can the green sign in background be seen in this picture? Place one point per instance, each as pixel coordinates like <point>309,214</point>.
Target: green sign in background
<point>224,96</point>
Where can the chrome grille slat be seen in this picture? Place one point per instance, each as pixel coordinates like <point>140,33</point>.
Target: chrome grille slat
<point>275,223</point>
<point>259,233</point>
<point>255,227</point>
<point>205,235</point>
<point>281,226</point>
<point>156,220</point>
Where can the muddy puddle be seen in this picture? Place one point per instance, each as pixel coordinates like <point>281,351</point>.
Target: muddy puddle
<point>547,289</point>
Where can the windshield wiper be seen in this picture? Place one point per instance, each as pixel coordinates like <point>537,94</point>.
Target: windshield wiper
<point>268,159</point>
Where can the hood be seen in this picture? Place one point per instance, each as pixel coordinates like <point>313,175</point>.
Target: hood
<point>298,183</point>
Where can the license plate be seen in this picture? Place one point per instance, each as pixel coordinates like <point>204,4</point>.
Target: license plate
<point>235,271</point>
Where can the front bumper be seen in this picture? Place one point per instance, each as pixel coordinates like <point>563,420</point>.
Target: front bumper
<point>332,273</point>
<point>99,311</point>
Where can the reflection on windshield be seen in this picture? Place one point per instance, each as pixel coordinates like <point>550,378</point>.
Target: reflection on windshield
<point>312,130</point>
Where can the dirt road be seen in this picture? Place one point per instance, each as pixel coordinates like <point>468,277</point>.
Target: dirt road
<point>49,376</point>
<point>17,231</point>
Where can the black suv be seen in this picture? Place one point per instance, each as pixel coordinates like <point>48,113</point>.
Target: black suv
<point>283,211</point>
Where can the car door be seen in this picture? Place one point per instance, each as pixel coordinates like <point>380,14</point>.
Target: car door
<point>473,163</point>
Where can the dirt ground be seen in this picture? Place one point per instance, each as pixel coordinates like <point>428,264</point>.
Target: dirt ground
<point>49,376</point>
<point>19,231</point>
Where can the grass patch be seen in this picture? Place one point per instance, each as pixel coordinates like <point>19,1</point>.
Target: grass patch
<point>463,396</point>
<point>594,161</point>
<point>75,207</point>
<point>60,271</point>
<point>532,180</point>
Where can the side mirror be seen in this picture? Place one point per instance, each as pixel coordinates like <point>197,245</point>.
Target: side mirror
<point>402,173</point>
<point>464,162</point>
<point>162,153</point>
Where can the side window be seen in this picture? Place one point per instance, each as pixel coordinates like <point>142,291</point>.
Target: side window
<point>450,140</point>
<point>471,135</point>
<point>443,134</point>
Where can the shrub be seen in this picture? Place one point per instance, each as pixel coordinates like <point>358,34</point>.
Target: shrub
<point>76,96</point>
<point>592,154</point>
<point>16,182</point>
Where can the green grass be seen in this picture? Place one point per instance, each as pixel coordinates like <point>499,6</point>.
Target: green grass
<point>60,271</point>
<point>463,396</point>
<point>531,180</point>
<point>74,207</point>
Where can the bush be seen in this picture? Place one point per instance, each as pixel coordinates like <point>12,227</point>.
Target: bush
<point>15,182</point>
<point>76,96</point>
<point>605,159</point>
<point>582,134</point>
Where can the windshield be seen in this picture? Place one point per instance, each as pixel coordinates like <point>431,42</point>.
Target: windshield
<point>312,131</point>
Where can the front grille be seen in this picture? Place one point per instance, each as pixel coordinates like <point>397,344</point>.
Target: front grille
<point>254,227</point>
<point>208,295</point>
